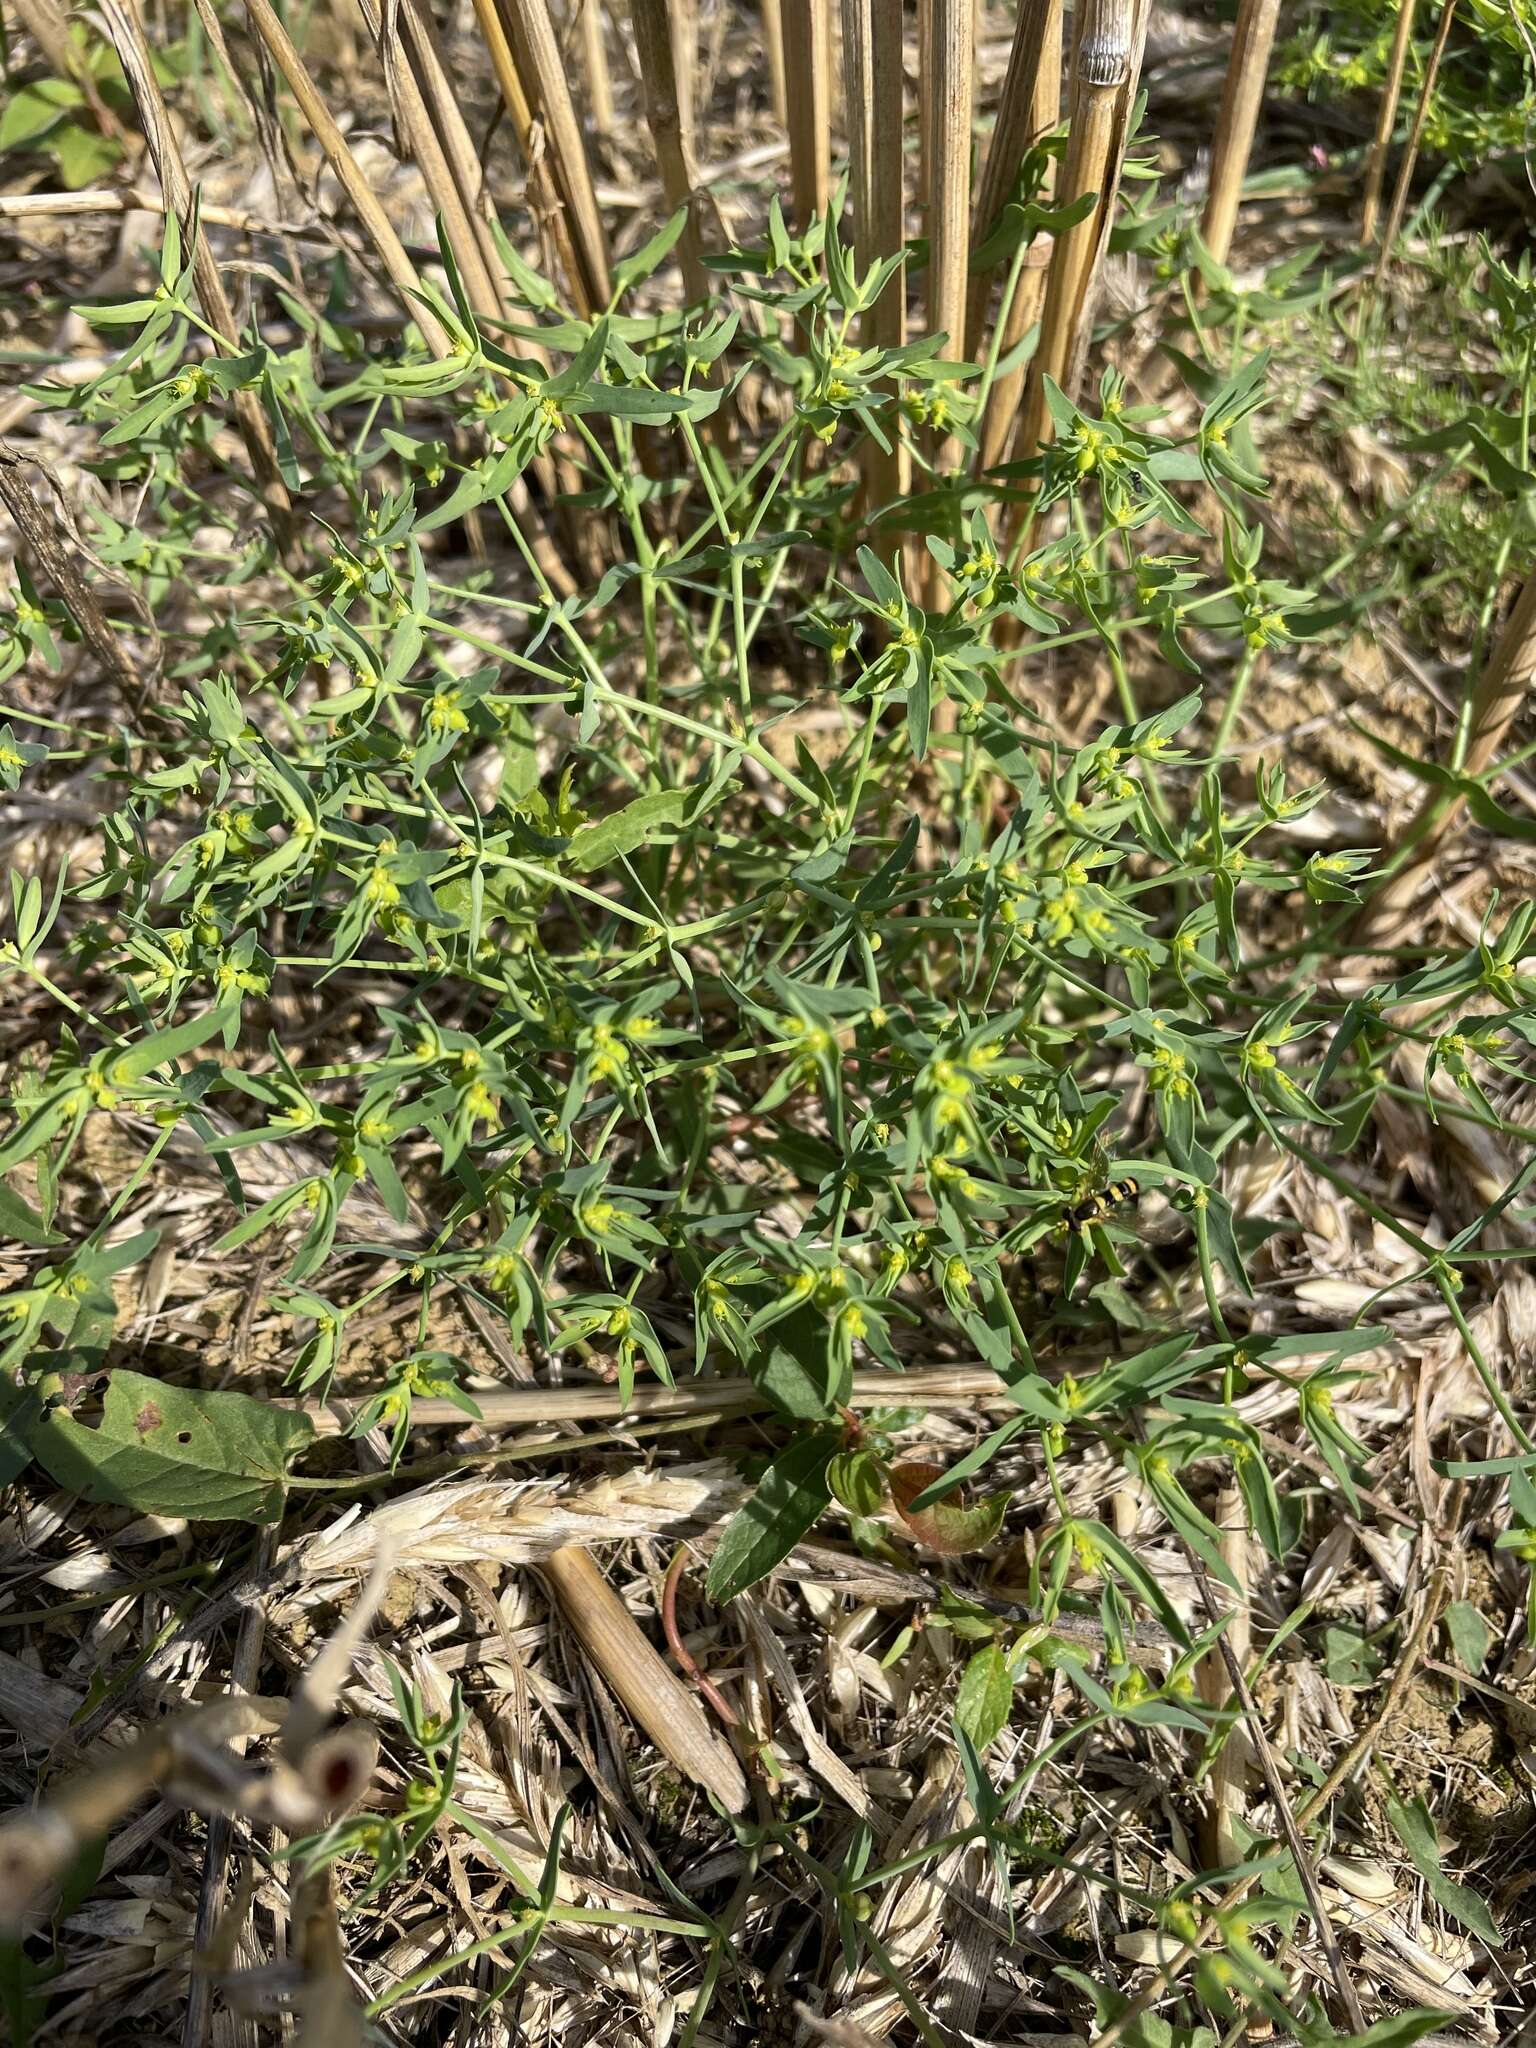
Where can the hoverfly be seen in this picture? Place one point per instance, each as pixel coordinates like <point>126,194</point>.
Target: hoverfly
<point>1096,1207</point>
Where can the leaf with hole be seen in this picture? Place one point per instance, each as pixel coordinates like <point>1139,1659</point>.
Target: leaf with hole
<point>211,1457</point>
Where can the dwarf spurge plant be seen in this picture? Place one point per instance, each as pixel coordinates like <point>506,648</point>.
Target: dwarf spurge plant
<point>714,1004</point>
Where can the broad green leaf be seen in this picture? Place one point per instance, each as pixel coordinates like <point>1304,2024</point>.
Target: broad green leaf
<point>789,1497</point>
<point>20,1408</point>
<point>1349,1658</point>
<point>794,1373</point>
<point>161,1046</point>
<point>633,269</point>
<point>857,1480</point>
<point>176,1451</point>
<point>985,1698</point>
<point>1398,2030</point>
<point>21,1223</point>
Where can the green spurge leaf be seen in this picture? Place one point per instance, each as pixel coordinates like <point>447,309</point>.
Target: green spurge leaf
<point>627,830</point>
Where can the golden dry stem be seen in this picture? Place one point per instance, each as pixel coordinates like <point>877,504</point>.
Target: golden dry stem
<point>524,1407</point>
<point>806,61</point>
<point>1105,66</point>
<point>671,126</point>
<point>1001,417</point>
<point>1253,38</point>
<point>414,125</point>
<point>127,36</point>
<point>544,200</point>
<point>950,60</point>
<point>1386,120</point>
<point>771,15</point>
<point>537,51</point>
<point>1405,169</point>
<point>594,64</point>
<point>1036,29</point>
<point>873,106</point>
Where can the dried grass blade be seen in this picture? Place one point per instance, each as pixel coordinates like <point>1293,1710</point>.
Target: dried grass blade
<point>431,65</point>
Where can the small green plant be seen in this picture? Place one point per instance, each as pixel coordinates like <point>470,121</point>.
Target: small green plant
<point>1483,103</point>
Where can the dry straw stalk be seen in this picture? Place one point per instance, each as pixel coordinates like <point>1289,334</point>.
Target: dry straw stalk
<point>646,1685</point>
<point>594,62</point>
<point>806,58</point>
<point>1405,169</point>
<point>1386,119</point>
<point>950,59</point>
<point>873,102</point>
<point>523,1407</point>
<point>772,15</point>
<point>1001,417</point>
<point>388,247</point>
<point>127,35</point>
<point>671,126</point>
<point>1241,97</point>
<point>1017,125</point>
<point>541,64</point>
<point>415,127</point>
<point>1104,72</point>
<point>432,70</point>
<point>543,198</point>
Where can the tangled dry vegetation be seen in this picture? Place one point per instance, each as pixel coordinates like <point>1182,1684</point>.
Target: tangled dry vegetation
<point>471,1714</point>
